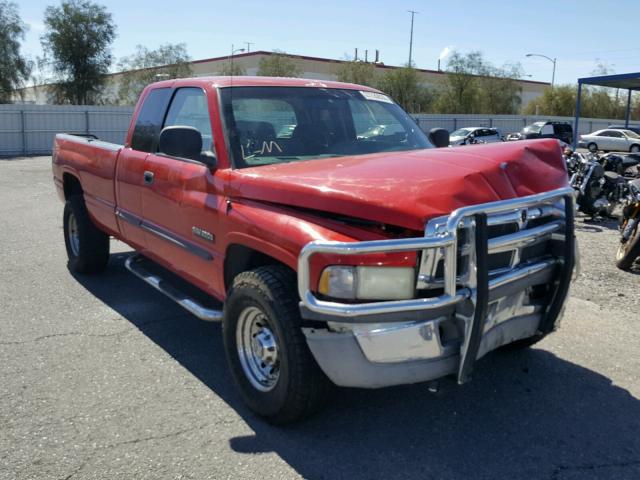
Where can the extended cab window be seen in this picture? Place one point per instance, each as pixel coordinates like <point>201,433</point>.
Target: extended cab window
<point>148,124</point>
<point>189,108</point>
<point>268,125</point>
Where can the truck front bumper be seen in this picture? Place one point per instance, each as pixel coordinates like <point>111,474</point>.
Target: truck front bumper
<point>470,308</point>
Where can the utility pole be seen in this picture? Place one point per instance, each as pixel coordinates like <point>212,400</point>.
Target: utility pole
<point>412,12</point>
<point>248,46</point>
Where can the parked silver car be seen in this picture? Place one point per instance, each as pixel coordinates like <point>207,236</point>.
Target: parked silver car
<point>471,135</point>
<point>611,140</point>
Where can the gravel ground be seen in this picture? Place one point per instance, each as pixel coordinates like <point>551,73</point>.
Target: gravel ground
<point>102,377</point>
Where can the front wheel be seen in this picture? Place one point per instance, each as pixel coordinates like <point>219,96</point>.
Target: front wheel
<point>593,148</point>
<point>87,246</point>
<point>269,359</point>
<point>634,148</point>
<point>629,250</point>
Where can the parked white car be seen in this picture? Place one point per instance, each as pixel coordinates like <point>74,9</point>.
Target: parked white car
<point>611,140</point>
<point>470,135</point>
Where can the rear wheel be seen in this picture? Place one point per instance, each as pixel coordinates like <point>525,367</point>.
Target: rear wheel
<point>272,366</point>
<point>629,250</point>
<point>87,246</point>
<point>634,148</point>
<point>592,147</point>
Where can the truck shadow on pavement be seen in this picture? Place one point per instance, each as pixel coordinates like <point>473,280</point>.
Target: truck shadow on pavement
<point>527,414</point>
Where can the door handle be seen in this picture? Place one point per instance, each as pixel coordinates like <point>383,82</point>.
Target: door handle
<point>148,178</point>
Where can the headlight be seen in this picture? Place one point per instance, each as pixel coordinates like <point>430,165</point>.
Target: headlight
<point>367,283</point>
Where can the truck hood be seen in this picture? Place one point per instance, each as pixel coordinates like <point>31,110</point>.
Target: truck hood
<point>409,188</point>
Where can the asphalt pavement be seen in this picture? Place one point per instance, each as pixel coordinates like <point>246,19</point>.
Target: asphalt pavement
<point>103,377</point>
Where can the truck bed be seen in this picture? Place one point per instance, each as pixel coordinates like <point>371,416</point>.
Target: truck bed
<point>93,162</point>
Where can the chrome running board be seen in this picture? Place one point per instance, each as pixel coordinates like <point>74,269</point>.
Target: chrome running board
<point>135,265</point>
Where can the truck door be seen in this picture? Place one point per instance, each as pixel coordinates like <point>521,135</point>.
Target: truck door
<point>182,199</point>
<point>130,168</point>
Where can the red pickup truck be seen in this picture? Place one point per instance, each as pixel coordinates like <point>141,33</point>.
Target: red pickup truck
<point>335,243</point>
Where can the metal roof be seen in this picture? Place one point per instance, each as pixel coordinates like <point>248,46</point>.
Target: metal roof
<point>627,81</point>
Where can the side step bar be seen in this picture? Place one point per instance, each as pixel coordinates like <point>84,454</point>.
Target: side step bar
<point>135,265</point>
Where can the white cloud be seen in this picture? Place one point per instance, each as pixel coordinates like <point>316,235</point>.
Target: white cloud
<point>446,51</point>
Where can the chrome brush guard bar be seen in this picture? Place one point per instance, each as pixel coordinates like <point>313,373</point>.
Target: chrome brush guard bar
<point>477,286</point>
<point>444,238</point>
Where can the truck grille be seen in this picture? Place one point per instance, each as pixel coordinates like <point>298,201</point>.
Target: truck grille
<point>516,238</point>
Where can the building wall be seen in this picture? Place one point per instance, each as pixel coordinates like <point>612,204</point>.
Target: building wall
<point>311,67</point>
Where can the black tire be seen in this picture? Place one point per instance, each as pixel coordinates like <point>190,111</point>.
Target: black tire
<point>592,147</point>
<point>301,388</point>
<point>89,252</point>
<point>635,148</point>
<point>628,251</point>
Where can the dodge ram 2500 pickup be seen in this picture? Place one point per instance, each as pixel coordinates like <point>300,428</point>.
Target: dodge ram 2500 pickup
<point>322,227</point>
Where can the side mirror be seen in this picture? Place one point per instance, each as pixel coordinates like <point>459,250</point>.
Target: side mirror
<point>439,137</point>
<point>184,142</point>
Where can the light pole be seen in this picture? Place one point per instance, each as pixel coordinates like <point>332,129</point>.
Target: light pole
<point>233,51</point>
<point>552,60</point>
<point>412,12</point>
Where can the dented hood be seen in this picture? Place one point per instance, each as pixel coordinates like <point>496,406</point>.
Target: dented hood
<point>408,188</point>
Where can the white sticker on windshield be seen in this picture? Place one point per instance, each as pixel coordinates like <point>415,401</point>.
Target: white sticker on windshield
<point>379,97</point>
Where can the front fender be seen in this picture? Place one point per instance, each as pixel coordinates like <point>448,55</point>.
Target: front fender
<point>280,234</point>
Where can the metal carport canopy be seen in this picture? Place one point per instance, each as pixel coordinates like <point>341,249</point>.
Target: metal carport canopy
<point>625,81</point>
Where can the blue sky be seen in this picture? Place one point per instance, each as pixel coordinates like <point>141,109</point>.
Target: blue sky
<point>576,32</point>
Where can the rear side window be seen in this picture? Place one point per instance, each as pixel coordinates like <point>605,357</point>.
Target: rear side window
<point>189,108</point>
<point>547,130</point>
<point>149,121</point>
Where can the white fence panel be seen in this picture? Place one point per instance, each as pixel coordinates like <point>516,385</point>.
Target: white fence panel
<point>505,123</point>
<point>30,129</point>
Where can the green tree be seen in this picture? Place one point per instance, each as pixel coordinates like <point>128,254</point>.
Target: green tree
<point>474,85</point>
<point>557,101</point>
<point>403,86</point>
<point>460,89</point>
<point>232,69</point>
<point>361,73</point>
<point>278,64</point>
<point>147,66</point>
<point>76,42</point>
<point>14,68</point>
<point>499,91</point>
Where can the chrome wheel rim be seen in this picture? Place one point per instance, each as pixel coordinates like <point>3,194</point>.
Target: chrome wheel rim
<point>74,235</point>
<point>257,349</point>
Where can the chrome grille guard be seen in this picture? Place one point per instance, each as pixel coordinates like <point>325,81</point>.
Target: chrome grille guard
<point>477,286</point>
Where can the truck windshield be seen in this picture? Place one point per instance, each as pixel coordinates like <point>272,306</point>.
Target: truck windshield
<point>268,125</point>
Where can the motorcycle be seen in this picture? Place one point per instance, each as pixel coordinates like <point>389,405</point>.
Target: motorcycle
<point>599,190</point>
<point>625,165</point>
<point>629,248</point>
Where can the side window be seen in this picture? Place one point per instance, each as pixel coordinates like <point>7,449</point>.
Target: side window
<point>547,130</point>
<point>189,108</point>
<point>372,119</point>
<point>606,133</point>
<point>149,121</point>
<point>617,134</point>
